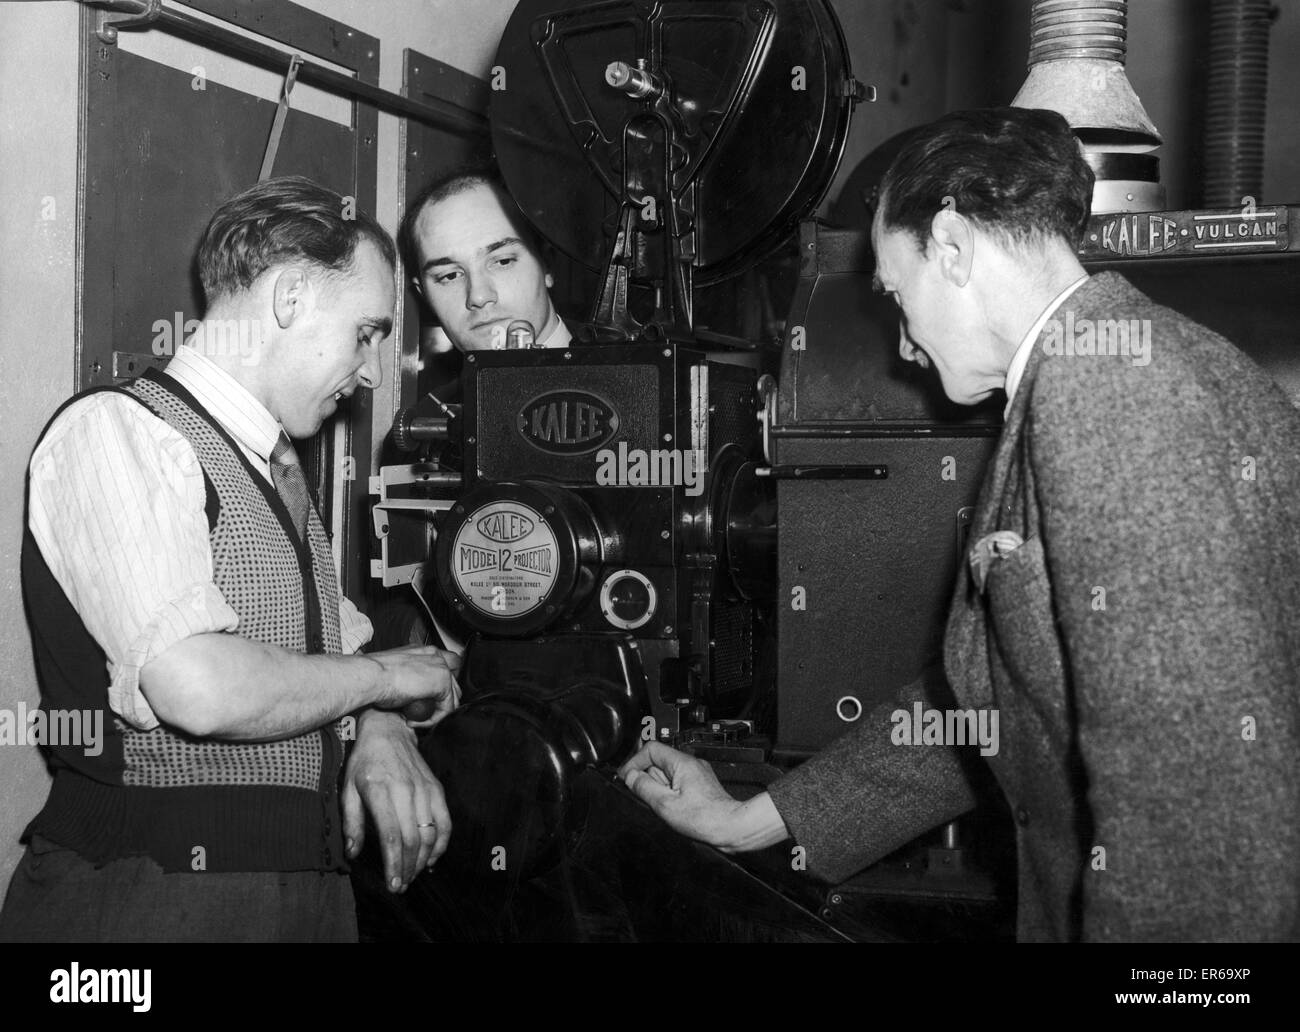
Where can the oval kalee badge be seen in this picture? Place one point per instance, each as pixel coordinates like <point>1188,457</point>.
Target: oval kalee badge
<point>567,422</point>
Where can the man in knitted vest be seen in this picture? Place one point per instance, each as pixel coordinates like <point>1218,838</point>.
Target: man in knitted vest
<point>180,585</point>
<point>1128,605</point>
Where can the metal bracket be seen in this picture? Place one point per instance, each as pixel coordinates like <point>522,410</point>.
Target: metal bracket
<point>281,113</point>
<point>386,507</point>
<point>128,365</point>
<point>946,861</point>
<point>767,391</point>
<point>857,91</point>
<point>700,415</point>
<point>135,14</point>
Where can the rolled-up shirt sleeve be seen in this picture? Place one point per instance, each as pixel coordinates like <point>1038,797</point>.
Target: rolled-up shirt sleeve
<point>354,627</point>
<point>117,507</point>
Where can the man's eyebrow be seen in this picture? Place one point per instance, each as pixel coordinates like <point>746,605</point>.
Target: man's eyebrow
<point>379,322</point>
<point>506,242</point>
<point>495,246</point>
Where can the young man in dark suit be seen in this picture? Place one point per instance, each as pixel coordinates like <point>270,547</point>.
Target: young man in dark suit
<point>1129,602</point>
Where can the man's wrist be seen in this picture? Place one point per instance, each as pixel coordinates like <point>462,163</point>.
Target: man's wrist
<point>381,720</point>
<point>757,824</point>
<point>376,675</point>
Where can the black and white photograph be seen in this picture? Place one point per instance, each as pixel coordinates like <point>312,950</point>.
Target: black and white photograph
<point>677,472</point>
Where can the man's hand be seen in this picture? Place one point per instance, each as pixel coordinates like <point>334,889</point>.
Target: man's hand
<point>685,792</point>
<point>387,774</point>
<point>422,680</point>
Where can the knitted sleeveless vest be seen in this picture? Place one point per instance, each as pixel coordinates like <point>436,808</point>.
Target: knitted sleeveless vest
<point>189,803</point>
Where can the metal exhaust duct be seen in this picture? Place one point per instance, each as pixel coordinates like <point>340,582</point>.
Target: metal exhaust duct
<point>1076,66</point>
<point>1237,101</point>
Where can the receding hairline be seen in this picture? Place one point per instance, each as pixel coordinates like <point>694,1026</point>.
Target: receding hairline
<point>1015,215</point>
<point>324,274</point>
<point>282,220</point>
<point>1029,242</point>
<point>458,188</point>
<point>349,267</point>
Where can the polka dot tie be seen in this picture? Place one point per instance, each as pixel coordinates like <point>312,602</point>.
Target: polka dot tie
<point>287,475</point>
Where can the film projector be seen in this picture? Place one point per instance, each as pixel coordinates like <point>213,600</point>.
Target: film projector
<point>600,521</point>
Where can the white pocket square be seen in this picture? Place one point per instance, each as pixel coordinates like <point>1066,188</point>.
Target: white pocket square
<point>987,550</point>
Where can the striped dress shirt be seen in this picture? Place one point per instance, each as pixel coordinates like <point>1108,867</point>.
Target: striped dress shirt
<point>116,505</point>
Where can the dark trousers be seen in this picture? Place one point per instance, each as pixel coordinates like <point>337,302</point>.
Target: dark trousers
<point>57,896</point>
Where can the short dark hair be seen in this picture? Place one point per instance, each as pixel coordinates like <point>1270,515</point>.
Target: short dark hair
<point>455,181</point>
<point>1017,172</point>
<point>282,219</point>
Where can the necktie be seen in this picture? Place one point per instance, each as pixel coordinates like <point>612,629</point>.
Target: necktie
<point>287,475</point>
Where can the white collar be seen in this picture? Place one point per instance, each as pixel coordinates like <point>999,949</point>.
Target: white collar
<point>1020,359</point>
<point>559,337</point>
<point>227,400</point>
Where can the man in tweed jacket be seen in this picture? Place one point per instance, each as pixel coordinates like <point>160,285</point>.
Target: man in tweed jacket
<point>1129,604</point>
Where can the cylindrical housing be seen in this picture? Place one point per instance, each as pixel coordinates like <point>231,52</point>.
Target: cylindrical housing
<point>410,429</point>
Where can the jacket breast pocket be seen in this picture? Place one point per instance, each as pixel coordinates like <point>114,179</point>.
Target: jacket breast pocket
<point>1021,614</point>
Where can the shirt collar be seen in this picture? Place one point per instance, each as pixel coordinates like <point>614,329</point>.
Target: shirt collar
<point>227,400</point>
<point>559,337</point>
<point>1016,370</point>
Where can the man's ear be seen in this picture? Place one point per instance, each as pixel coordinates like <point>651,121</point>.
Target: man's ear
<point>954,238</point>
<point>288,296</point>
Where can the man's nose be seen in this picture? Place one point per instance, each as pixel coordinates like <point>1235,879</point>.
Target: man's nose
<point>480,291</point>
<point>371,373</point>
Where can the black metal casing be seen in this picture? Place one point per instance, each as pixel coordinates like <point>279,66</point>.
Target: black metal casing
<point>866,564</point>
<point>522,446</point>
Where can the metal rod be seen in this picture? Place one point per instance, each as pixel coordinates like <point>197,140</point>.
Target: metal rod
<point>877,430</point>
<point>726,340</point>
<point>823,472</point>
<point>440,114</point>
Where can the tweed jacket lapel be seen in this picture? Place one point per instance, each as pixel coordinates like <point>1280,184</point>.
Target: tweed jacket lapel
<point>1002,505</point>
